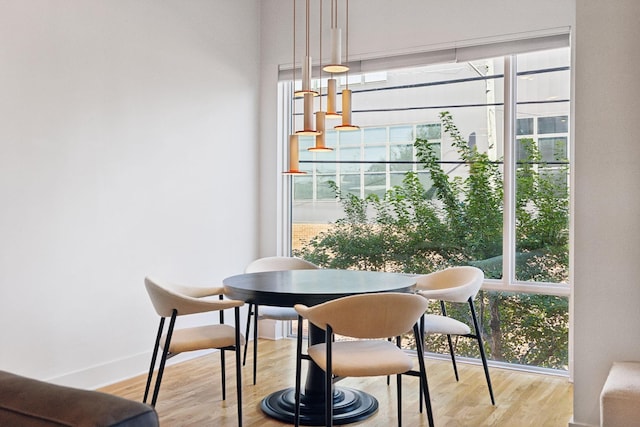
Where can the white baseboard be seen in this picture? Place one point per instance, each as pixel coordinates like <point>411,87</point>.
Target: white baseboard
<point>572,423</point>
<point>118,370</point>
<point>271,329</point>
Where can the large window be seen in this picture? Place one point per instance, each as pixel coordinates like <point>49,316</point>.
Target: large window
<point>456,163</point>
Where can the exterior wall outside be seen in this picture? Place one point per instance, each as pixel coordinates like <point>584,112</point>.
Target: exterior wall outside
<point>122,126</point>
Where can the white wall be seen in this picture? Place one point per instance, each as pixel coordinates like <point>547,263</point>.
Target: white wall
<point>128,133</point>
<point>607,176</point>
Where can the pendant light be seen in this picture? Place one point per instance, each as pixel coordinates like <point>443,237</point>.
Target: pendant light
<point>308,94</point>
<point>332,94</point>
<point>294,154</point>
<point>320,115</point>
<point>346,93</point>
<point>336,63</point>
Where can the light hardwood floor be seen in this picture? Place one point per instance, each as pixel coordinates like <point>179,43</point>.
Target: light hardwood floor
<point>191,394</point>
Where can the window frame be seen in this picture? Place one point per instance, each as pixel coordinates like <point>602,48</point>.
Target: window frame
<point>508,283</point>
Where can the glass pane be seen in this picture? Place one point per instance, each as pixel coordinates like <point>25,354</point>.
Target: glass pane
<point>306,141</point>
<point>350,155</point>
<point>430,131</point>
<point>524,126</point>
<point>375,154</point>
<point>403,153</point>
<point>375,135</point>
<point>427,184</point>
<point>435,233</point>
<point>349,138</point>
<point>437,152</point>
<point>396,179</point>
<point>553,149</point>
<point>350,184</point>
<point>521,149</point>
<point>542,197</point>
<point>302,187</point>
<point>325,161</point>
<point>401,134</point>
<point>375,184</point>
<point>553,124</point>
<point>331,138</point>
<point>324,189</point>
<point>522,329</point>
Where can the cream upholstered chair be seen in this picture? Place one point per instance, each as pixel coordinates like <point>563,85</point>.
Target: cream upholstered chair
<point>369,319</point>
<point>171,301</point>
<point>460,285</point>
<point>274,263</point>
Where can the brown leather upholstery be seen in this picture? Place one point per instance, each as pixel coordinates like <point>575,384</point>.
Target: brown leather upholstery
<point>26,402</point>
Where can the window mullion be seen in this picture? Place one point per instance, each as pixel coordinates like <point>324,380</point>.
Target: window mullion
<point>285,189</point>
<point>509,182</point>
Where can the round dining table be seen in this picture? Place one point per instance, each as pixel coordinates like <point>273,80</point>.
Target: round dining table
<point>311,287</point>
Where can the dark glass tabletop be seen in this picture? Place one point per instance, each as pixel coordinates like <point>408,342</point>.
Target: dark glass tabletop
<point>310,287</point>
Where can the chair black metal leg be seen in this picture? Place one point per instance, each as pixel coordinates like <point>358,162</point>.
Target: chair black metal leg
<point>296,418</point>
<point>399,386</point>
<point>453,357</point>
<point>421,355</point>
<point>389,376</point>
<point>163,360</point>
<point>423,374</point>
<point>255,341</point>
<point>223,374</point>
<point>443,309</point>
<point>481,347</point>
<point>246,334</point>
<point>153,360</point>
<point>329,380</point>
<point>238,369</point>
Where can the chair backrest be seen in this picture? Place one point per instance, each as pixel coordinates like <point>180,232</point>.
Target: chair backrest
<point>279,263</point>
<point>165,300</point>
<point>377,315</point>
<point>455,284</point>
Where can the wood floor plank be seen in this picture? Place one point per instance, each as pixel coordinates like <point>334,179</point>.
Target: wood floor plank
<point>191,394</point>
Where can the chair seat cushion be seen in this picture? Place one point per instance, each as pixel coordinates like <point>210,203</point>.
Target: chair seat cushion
<point>277,313</point>
<point>27,402</point>
<point>202,337</point>
<point>436,324</point>
<point>363,358</point>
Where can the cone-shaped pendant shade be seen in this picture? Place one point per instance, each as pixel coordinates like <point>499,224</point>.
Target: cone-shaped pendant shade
<point>331,99</point>
<point>308,125</point>
<point>294,157</point>
<point>346,112</point>
<point>320,139</point>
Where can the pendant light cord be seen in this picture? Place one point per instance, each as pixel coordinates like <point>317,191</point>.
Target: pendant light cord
<point>293,81</point>
<point>346,56</point>
<point>307,29</point>
<point>320,55</point>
